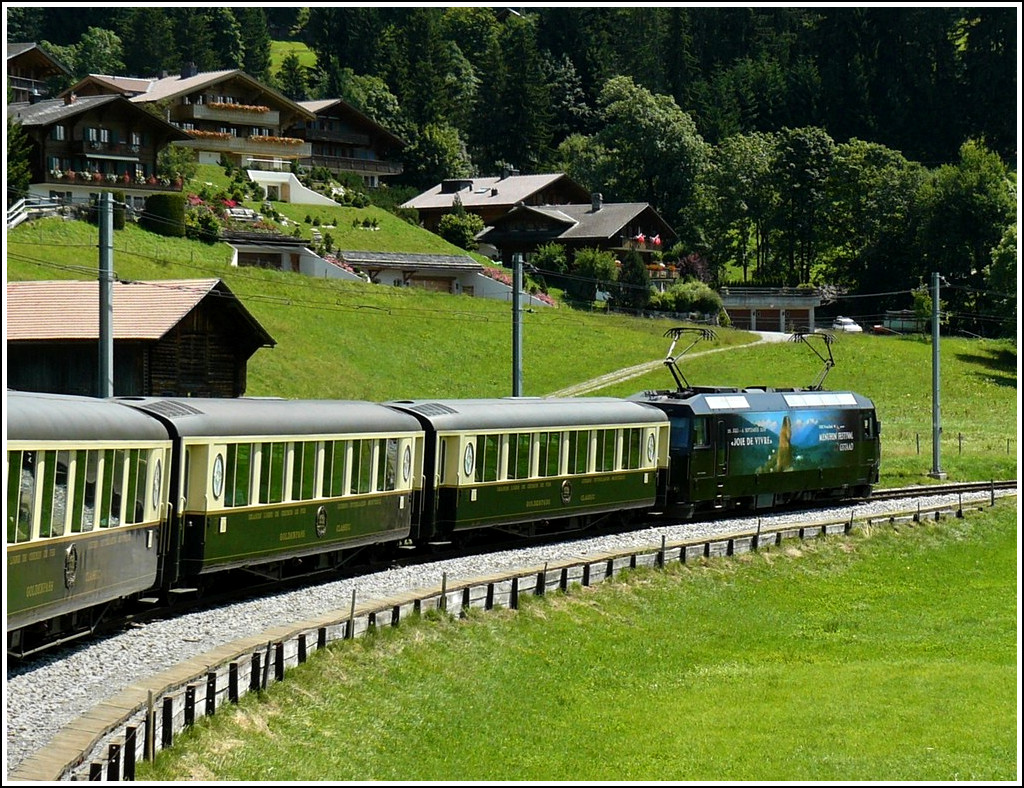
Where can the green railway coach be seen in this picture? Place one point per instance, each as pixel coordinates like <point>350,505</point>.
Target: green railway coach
<point>525,463</point>
<point>273,485</point>
<point>87,490</point>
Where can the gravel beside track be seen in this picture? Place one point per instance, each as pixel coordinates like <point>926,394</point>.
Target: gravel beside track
<point>45,696</point>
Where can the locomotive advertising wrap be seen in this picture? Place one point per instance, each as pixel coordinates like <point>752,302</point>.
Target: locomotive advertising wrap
<point>795,440</point>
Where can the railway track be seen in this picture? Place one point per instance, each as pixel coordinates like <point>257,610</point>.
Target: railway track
<point>200,670</point>
<point>952,488</point>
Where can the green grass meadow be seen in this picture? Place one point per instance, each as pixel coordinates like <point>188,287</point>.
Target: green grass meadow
<point>885,655</point>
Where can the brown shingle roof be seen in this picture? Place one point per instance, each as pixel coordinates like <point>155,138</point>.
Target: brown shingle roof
<point>488,192</point>
<point>69,310</point>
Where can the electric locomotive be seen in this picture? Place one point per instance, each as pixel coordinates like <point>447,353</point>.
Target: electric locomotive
<point>761,447</point>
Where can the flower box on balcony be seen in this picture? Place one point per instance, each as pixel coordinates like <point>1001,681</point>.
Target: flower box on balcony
<point>213,135</point>
<point>254,108</point>
<point>260,138</point>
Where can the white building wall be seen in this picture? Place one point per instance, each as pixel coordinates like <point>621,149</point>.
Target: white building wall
<point>288,187</point>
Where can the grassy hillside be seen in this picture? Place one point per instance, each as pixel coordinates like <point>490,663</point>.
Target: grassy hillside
<point>340,339</point>
<point>823,661</point>
<point>279,50</point>
<point>353,340</point>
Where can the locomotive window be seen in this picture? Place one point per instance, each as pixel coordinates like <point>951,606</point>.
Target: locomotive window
<point>271,472</point>
<point>304,470</point>
<point>21,483</point>
<point>362,470</point>
<point>680,433</point>
<point>550,443</point>
<point>334,468</point>
<point>387,470</point>
<point>579,451</point>
<point>604,460</point>
<point>700,431</point>
<point>487,458</point>
<point>868,424</point>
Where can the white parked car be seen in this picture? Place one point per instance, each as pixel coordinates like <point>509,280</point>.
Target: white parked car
<point>846,324</point>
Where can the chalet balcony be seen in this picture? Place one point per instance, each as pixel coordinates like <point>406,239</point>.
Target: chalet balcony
<point>254,146</point>
<point>117,183</point>
<point>329,135</point>
<point>95,149</point>
<point>362,166</point>
<point>239,114</point>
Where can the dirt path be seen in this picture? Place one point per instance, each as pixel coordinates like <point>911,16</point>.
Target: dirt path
<point>603,381</point>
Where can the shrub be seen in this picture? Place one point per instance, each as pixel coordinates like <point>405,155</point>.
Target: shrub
<point>164,214</point>
<point>460,231</point>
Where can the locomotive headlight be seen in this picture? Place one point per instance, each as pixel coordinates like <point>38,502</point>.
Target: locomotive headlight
<point>218,475</point>
<point>468,461</point>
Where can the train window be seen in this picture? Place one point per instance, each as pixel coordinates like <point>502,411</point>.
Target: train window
<point>86,469</point>
<point>334,468</point>
<point>632,448</point>
<point>237,473</point>
<point>362,470</point>
<point>271,472</point>
<point>137,466</point>
<point>550,444</point>
<point>579,451</point>
<point>868,425</point>
<point>110,502</point>
<point>518,465</point>
<point>700,431</point>
<point>21,485</point>
<point>604,459</point>
<point>53,501</point>
<point>304,470</point>
<point>487,458</point>
<point>387,470</point>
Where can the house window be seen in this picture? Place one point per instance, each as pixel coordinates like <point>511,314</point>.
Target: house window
<point>136,139</point>
<point>57,133</point>
<point>91,135</point>
<point>104,135</point>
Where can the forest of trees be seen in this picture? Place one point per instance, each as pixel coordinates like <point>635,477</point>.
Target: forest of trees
<point>862,148</point>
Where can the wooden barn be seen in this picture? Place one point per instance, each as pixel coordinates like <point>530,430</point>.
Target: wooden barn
<point>174,337</point>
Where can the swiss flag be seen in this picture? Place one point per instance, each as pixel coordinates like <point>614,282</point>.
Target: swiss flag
<point>656,240</point>
<point>640,238</point>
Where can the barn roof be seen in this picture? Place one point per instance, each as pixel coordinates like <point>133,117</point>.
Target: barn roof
<point>145,311</point>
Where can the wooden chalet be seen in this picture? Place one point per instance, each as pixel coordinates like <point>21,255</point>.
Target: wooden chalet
<point>226,113</point>
<point>175,337</point>
<point>81,145</point>
<point>492,198</point>
<point>343,139</point>
<point>614,227</point>
<point>29,71</point>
